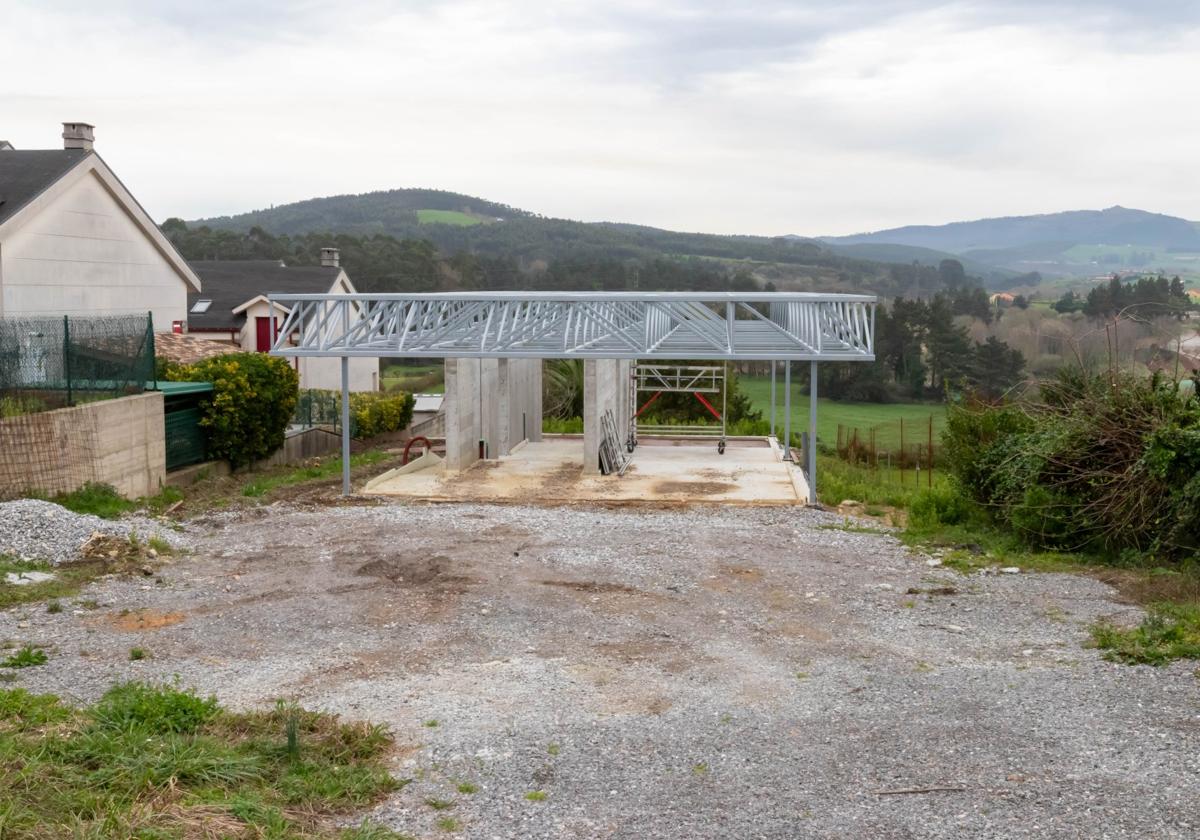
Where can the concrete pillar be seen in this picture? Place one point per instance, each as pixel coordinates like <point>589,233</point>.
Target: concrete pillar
<point>605,387</point>
<point>498,401</point>
<point>462,412</point>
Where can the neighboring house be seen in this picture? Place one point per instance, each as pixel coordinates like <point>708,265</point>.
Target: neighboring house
<point>233,310</point>
<point>1002,299</point>
<point>74,241</point>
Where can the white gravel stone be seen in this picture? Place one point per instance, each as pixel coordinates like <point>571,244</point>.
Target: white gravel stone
<point>31,529</point>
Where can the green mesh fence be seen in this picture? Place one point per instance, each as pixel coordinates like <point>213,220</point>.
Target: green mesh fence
<point>48,363</point>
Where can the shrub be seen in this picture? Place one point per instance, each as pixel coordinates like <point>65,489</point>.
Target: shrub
<point>939,506</point>
<point>373,413</point>
<point>253,398</point>
<point>1107,464</point>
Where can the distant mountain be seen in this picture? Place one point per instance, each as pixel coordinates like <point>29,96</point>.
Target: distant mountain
<point>1072,243</point>
<point>1114,226</point>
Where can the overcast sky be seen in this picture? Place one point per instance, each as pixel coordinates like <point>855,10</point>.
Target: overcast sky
<point>755,117</point>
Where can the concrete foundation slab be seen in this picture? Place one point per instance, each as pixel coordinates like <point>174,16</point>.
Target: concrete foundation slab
<point>663,471</point>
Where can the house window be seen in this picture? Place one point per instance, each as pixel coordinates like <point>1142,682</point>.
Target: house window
<point>201,306</point>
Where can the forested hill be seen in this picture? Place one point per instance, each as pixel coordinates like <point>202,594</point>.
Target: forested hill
<point>454,222</point>
<point>1115,225</point>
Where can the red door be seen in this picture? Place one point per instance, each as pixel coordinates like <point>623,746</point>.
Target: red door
<point>266,333</point>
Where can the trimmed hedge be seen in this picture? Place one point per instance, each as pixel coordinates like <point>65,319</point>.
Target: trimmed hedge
<point>373,413</point>
<point>254,396</point>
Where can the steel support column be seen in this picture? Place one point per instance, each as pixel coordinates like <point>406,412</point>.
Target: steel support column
<point>774,365</point>
<point>787,410</point>
<point>812,433</point>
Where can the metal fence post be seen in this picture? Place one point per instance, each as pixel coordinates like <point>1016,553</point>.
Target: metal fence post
<point>67,356</point>
<point>150,342</point>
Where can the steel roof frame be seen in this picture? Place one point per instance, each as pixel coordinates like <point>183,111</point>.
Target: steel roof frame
<point>564,325</point>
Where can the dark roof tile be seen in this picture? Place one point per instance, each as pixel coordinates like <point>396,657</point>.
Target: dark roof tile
<point>230,283</point>
<point>24,175</point>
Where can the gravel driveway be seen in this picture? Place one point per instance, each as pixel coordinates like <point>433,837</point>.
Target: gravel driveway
<point>693,673</point>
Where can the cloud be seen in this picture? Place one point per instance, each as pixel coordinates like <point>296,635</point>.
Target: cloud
<point>765,117</point>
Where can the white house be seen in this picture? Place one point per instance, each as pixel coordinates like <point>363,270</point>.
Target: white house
<point>74,241</point>
<point>233,310</point>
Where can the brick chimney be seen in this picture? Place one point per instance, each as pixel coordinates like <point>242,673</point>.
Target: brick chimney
<point>78,135</point>
<point>330,258</point>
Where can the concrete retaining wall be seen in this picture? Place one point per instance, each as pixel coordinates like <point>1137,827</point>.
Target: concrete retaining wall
<point>497,401</point>
<point>121,442</point>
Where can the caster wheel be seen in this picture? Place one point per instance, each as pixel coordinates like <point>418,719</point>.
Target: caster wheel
<point>721,448</point>
<point>629,448</point>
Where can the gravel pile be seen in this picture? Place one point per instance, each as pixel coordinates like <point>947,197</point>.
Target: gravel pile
<point>31,529</point>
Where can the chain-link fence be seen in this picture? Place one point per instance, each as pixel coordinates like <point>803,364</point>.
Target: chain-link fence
<point>48,363</point>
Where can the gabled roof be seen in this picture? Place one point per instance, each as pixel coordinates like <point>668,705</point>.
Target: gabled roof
<point>231,283</point>
<point>29,177</point>
<point>24,175</point>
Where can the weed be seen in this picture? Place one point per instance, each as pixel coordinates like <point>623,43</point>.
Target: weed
<point>317,471</point>
<point>26,657</point>
<point>536,795</point>
<point>467,788</point>
<point>851,528</point>
<point>908,605</point>
<point>149,761</point>
<point>439,804</point>
<point>431,724</point>
<point>160,545</point>
<point>447,824</point>
<point>54,607</point>
<point>802,675</point>
<point>552,749</point>
<point>97,499</point>
<point>1169,631</point>
<point>137,654</point>
<point>923,667</point>
<point>700,769</point>
<point>89,604</point>
<point>370,831</point>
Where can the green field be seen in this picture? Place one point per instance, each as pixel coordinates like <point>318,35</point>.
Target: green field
<point>886,416</point>
<point>447,217</point>
<point>417,379</point>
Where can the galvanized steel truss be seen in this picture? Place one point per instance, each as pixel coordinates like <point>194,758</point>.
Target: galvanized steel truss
<point>549,325</point>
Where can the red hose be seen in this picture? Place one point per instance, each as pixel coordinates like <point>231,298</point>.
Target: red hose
<point>408,446</point>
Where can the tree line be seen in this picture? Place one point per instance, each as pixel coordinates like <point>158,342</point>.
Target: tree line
<point>1147,295</point>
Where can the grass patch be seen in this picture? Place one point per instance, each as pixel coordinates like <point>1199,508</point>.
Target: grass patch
<point>838,481</point>
<point>67,582</point>
<point>851,528</point>
<point>26,657</point>
<point>536,796</point>
<point>885,416</point>
<point>440,804</point>
<point>1168,632</point>
<point>467,788</point>
<point>137,654</point>
<point>156,762</point>
<point>104,501</point>
<point>560,426</point>
<point>447,217</point>
<point>447,824</point>
<point>319,470</point>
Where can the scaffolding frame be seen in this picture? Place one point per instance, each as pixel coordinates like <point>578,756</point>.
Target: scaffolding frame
<point>696,380</point>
